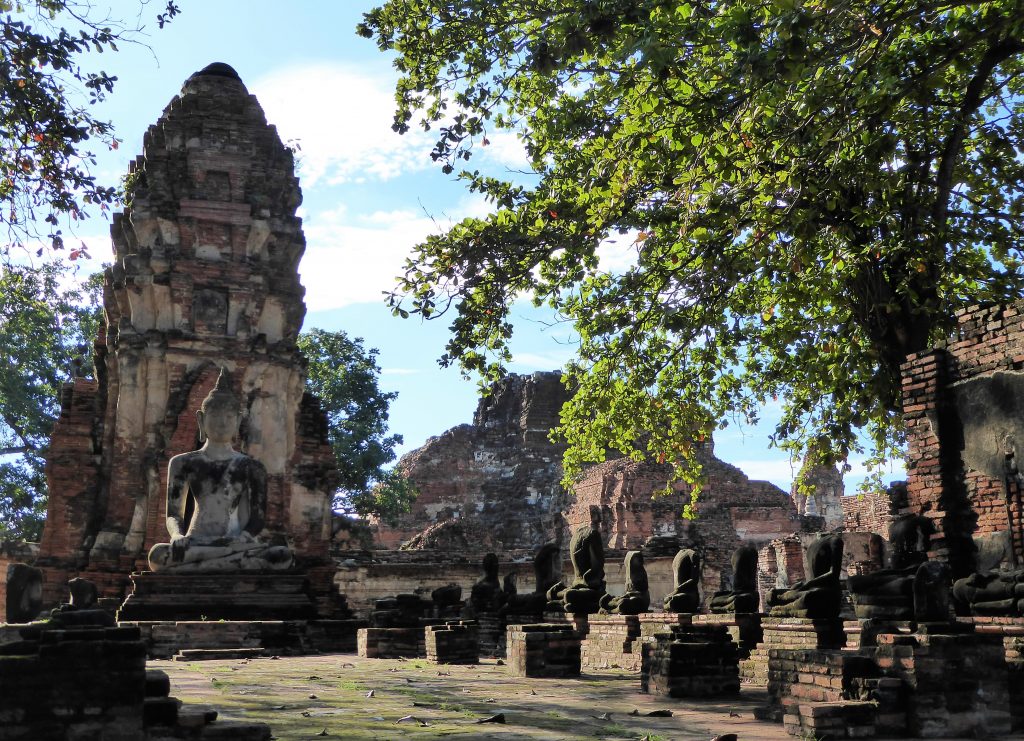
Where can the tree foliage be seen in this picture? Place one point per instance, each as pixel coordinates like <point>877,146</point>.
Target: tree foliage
<point>812,188</point>
<point>46,122</point>
<point>45,330</point>
<point>343,375</point>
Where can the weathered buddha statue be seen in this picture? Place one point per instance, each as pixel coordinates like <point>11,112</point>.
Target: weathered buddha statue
<point>486,595</point>
<point>225,492</point>
<point>996,593</point>
<point>685,596</point>
<point>586,552</point>
<point>819,597</point>
<point>637,596</point>
<point>889,593</point>
<point>545,564</point>
<point>743,597</point>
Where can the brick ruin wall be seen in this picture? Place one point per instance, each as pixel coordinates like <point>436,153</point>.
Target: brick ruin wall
<point>867,513</point>
<point>493,485</point>
<point>956,453</point>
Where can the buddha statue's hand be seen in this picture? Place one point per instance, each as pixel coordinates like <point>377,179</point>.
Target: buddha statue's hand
<point>179,544</point>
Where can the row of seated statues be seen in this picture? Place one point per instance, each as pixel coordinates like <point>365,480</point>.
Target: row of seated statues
<point>586,593</point>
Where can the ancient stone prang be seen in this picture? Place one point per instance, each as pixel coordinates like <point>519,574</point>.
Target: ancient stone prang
<point>204,277</point>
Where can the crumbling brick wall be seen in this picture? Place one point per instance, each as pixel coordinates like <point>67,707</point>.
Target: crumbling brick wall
<point>965,501</point>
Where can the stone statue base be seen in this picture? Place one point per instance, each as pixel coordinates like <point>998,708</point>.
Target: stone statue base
<point>171,596</point>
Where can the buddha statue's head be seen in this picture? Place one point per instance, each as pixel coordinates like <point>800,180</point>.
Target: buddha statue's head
<point>218,414</point>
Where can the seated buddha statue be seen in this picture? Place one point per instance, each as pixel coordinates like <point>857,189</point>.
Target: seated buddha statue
<point>487,595</point>
<point>227,493</point>
<point>743,597</point>
<point>686,578</point>
<point>819,597</point>
<point>637,595</point>
<point>586,553</point>
<point>889,593</point>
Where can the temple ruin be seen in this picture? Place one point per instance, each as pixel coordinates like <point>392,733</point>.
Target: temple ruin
<point>204,277</point>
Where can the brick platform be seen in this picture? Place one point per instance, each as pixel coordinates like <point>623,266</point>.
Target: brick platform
<point>1011,629</point>
<point>744,628</point>
<point>277,637</point>
<point>957,684</point>
<point>789,633</point>
<point>694,661</point>
<point>543,650</point>
<point>167,597</point>
<point>392,643</point>
<point>613,642</point>
<point>455,642</point>
<point>92,683</point>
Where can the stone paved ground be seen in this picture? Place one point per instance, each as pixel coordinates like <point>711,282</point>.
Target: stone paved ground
<point>315,697</point>
<point>301,698</point>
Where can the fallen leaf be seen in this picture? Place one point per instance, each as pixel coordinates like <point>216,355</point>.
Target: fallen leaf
<point>499,718</point>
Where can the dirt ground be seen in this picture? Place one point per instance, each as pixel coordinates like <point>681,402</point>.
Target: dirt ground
<point>315,697</point>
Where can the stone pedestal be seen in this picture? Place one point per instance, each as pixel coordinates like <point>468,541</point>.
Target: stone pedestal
<point>543,650</point>
<point>613,642</point>
<point>392,643</point>
<point>744,627</point>
<point>491,634</point>
<point>957,684</point>
<point>176,597</point>
<point>1011,630</point>
<point>87,682</point>
<point>789,633</point>
<point>695,661</point>
<point>276,637</point>
<point>455,642</point>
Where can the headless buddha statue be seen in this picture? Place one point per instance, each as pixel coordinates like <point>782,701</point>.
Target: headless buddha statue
<point>743,596</point>
<point>686,576</point>
<point>637,595</point>
<point>487,595</point>
<point>819,597</point>
<point>228,494</point>
<point>889,593</point>
<point>586,552</point>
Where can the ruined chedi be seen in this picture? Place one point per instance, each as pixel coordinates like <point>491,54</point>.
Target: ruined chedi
<point>204,277</point>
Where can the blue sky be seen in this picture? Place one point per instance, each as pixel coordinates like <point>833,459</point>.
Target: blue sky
<point>369,194</point>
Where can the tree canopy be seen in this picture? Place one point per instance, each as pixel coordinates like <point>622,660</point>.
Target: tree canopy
<point>46,122</point>
<point>813,189</point>
<point>343,375</point>
<point>44,330</point>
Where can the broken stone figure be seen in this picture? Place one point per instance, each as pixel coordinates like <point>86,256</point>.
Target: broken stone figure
<point>820,597</point>
<point>743,597</point>
<point>686,578</point>
<point>24,593</point>
<point>999,593</point>
<point>586,552</point>
<point>637,596</point>
<point>486,595</point>
<point>228,491</point>
<point>545,565</point>
<point>889,593</point>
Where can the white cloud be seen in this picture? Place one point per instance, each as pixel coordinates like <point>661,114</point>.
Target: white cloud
<point>618,254</point>
<point>555,360</point>
<point>355,258</point>
<point>351,261</point>
<point>774,470</point>
<point>341,117</point>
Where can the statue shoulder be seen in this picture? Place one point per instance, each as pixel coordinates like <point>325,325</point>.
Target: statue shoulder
<point>183,459</point>
<point>247,461</point>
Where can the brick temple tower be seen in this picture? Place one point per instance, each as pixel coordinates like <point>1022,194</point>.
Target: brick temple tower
<point>205,275</point>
